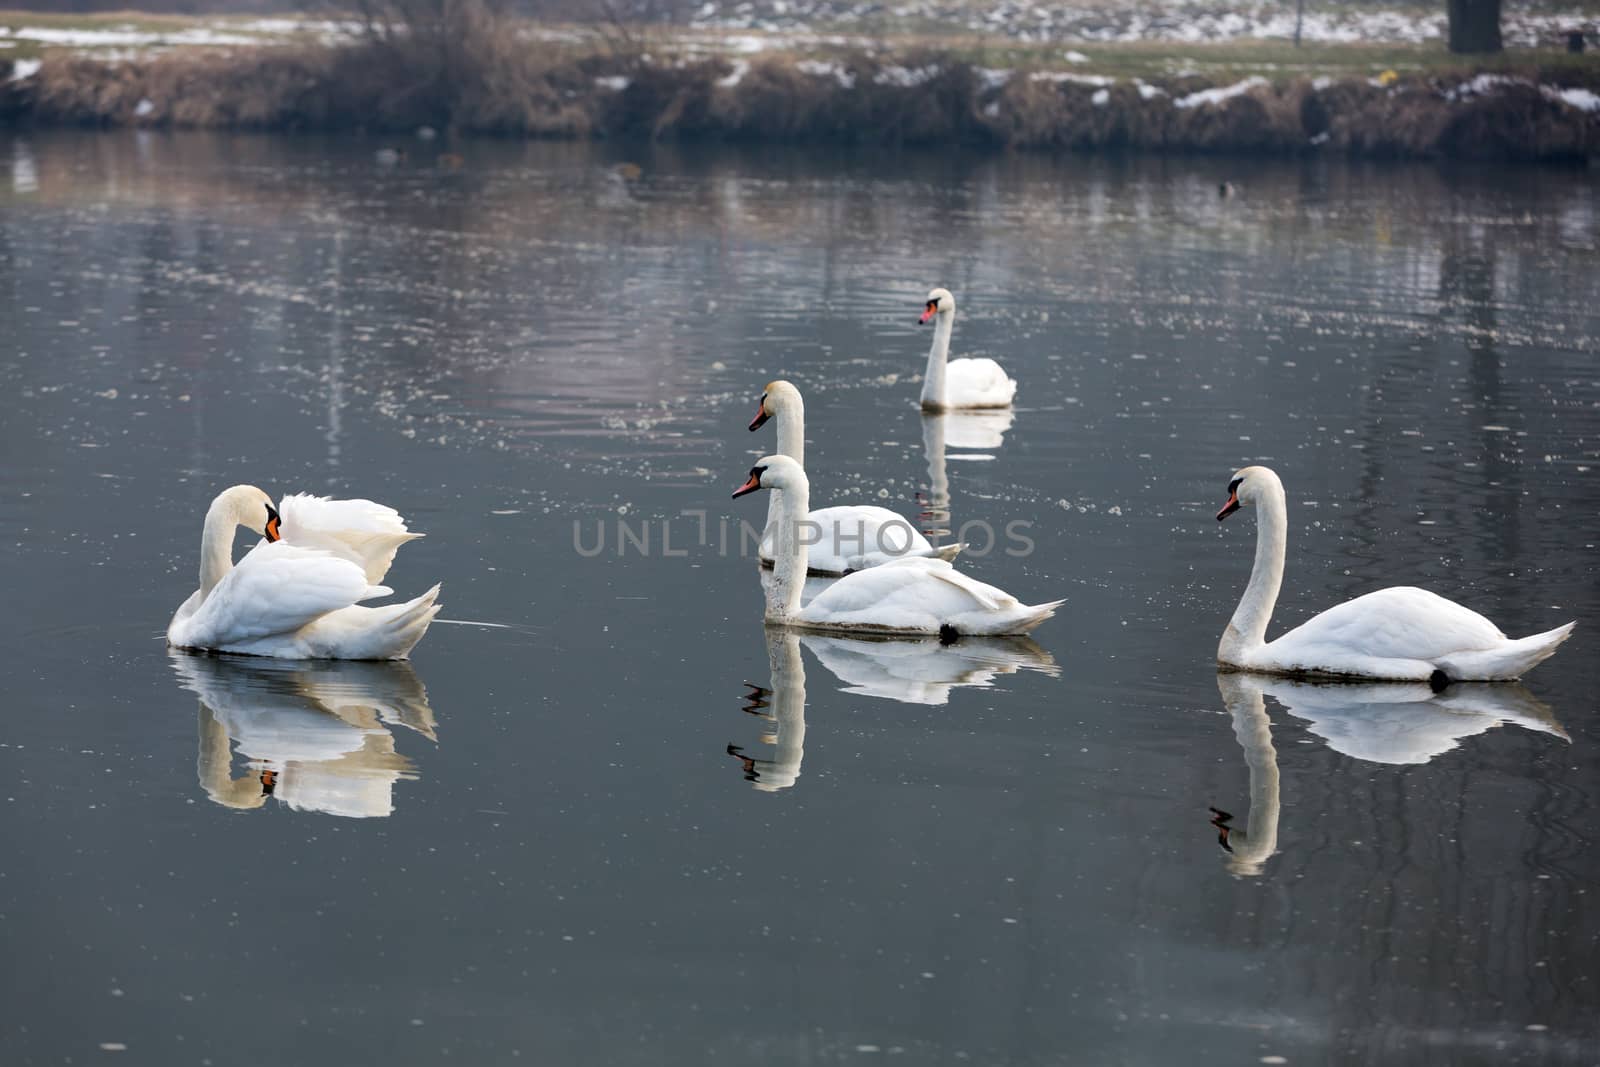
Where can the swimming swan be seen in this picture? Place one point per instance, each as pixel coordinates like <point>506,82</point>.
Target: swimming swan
<point>846,538</point>
<point>293,595</point>
<point>961,383</point>
<point>1397,634</point>
<point>911,597</point>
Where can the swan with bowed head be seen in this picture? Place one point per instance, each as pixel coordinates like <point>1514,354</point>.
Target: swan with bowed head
<point>296,594</point>
<point>914,596</point>
<point>962,383</point>
<point>1399,634</point>
<point>850,537</point>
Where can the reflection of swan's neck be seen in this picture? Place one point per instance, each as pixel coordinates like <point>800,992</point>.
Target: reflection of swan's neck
<point>789,555</point>
<point>1247,631</point>
<point>933,378</point>
<point>938,502</point>
<point>1253,730</point>
<point>214,766</point>
<point>791,443</point>
<point>216,546</point>
<point>789,711</point>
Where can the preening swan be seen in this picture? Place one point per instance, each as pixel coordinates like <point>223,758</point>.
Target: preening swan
<point>844,538</point>
<point>1397,634</point>
<point>293,595</point>
<point>913,597</point>
<point>961,383</point>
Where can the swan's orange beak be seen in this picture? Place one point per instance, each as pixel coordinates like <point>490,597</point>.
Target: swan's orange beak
<point>762,415</point>
<point>751,484</point>
<point>1230,507</point>
<point>928,312</point>
<point>273,522</point>
<point>269,782</point>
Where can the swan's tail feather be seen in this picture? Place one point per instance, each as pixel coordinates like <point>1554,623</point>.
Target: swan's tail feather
<point>1509,661</point>
<point>948,553</point>
<point>1033,615</point>
<point>398,628</point>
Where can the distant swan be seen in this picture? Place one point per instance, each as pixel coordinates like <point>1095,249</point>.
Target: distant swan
<point>1397,634</point>
<point>293,595</point>
<point>913,597</point>
<point>961,383</point>
<point>846,538</point>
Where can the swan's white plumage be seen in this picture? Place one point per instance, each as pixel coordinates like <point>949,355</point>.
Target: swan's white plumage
<point>977,383</point>
<point>277,588</point>
<point>361,531</point>
<point>298,601</point>
<point>1396,634</point>
<point>920,596</point>
<point>854,537</point>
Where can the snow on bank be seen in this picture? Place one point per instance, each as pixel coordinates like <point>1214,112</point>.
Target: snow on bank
<point>1217,96</point>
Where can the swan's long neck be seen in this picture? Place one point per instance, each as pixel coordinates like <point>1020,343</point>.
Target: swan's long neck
<point>789,555</point>
<point>216,547</point>
<point>936,508</point>
<point>938,355</point>
<point>791,443</point>
<point>1247,630</point>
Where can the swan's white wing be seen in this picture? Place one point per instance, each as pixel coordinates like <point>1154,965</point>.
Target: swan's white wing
<point>361,531</point>
<point>276,588</point>
<point>1397,623</point>
<point>918,595</point>
<point>977,383</point>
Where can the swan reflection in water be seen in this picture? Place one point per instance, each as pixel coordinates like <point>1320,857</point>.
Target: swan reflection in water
<point>313,734</point>
<point>1393,722</point>
<point>976,433</point>
<point>912,672</point>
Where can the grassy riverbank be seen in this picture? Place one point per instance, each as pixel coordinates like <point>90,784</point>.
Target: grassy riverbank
<point>1394,99</point>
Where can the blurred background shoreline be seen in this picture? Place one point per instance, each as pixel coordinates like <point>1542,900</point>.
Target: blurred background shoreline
<point>1371,81</point>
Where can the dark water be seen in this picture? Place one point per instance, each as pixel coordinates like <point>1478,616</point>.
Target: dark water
<point>985,854</point>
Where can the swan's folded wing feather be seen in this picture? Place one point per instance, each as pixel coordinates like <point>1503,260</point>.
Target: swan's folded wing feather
<point>1397,623</point>
<point>362,531</point>
<point>276,588</point>
<point>912,586</point>
<point>979,380</point>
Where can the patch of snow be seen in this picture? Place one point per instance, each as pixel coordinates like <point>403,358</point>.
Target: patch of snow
<point>1075,57</point>
<point>993,78</point>
<point>818,69</point>
<point>1101,97</point>
<point>1321,83</point>
<point>616,83</point>
<point>1148,92</point>
<point>198,35</point>
<point>1482,85</point>
<point>1582,99</point>
<point>905,77</point>
<point>1210,97</point>
<point>1059,76</point>
<point>1321,138</point>
<point>741,67</point>
<point>144,107</point>
<point>23,69</point>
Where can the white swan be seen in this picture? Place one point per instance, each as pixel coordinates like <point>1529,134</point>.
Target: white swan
<point>297,600</point>
<point>845,538</point>
<point>961,383</point>
<point>1397,634</point>
<point>914,596</point>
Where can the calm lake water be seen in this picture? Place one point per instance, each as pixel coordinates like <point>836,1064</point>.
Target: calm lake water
<point>623,824</point>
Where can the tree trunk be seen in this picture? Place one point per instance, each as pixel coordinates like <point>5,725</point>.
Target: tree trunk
<point>1474,25</point>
